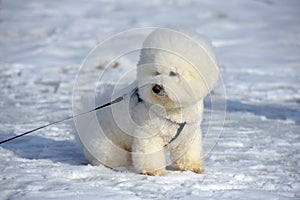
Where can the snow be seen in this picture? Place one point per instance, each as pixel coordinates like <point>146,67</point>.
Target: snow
<point>43,43</point>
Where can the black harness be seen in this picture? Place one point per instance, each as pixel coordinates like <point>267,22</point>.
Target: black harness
<point>135,94</point>
<point>179,130</point>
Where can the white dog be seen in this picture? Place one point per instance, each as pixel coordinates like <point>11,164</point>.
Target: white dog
<point>162,110</point>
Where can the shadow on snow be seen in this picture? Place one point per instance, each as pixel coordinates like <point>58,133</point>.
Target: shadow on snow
<point>38,147</point>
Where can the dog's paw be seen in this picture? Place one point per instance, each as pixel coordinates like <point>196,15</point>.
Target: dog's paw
<point>196,166</point>
<point>198,170</point>
<point>153,172</point>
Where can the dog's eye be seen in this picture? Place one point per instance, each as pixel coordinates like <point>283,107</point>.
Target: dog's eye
<point>173,73</point>
<point>157,73</point>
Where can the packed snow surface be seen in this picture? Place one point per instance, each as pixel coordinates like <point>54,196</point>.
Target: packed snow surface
<point>43,43</point>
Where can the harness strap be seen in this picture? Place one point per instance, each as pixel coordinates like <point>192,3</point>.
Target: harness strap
<point>135,94</point>
<point>179,130</point>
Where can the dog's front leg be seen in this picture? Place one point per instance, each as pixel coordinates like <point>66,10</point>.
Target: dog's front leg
<point>186,153</point>
<point>148,155</point>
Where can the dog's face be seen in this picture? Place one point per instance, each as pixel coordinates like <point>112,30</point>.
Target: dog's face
<point>170,81</point>
<point>174,70</point>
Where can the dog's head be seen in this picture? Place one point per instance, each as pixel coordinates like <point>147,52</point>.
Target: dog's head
<point>175,70</point>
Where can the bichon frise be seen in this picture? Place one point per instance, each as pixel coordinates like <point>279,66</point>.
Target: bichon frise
<point>161,111</point>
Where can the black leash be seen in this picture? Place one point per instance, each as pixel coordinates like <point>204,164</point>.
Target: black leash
<point>117,100</point>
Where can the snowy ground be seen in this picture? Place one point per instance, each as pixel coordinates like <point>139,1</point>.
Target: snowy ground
<point>42,44</point>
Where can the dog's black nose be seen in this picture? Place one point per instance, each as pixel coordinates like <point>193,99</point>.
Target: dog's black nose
<point>156,89</point>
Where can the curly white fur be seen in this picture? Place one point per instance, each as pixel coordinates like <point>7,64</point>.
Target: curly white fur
<point>136,132</point>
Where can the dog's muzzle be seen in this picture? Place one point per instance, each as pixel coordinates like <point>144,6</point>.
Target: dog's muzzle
<point>158,90</point>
